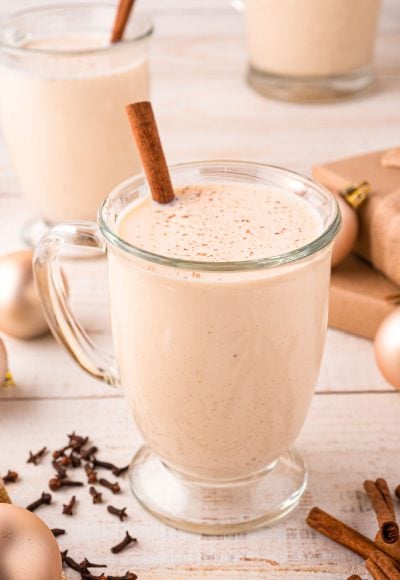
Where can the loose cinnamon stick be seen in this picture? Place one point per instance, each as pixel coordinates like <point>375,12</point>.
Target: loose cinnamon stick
<point>144,129</point>
<point>121,19</point>
<point>348,537</point>
<point>379,495</point>
<point>376,572</point>
<point>397,491</point>
<point>383,487</point>
<point>382,564</point>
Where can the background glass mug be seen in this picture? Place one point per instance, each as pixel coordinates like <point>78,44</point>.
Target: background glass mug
<point>310,50</point>
<point>218,427</point>
<point>63,92</point>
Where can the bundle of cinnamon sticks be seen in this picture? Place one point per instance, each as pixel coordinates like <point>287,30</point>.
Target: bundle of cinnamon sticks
<point>382,556</point>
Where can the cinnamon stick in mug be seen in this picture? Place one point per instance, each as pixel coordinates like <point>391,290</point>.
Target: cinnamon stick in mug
<point>145,131</point>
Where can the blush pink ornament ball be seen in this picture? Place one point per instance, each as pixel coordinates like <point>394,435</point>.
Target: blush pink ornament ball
<point>387,348</point>
<point>28,549</point>
<point>346,238</point>
<point>3,362</point>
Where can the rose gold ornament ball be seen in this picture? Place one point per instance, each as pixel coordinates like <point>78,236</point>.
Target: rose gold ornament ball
<point>346,238</point>
<point>3,362</point>
<point>21,313</point>
<point>28,549</point>
<point>387,348</point>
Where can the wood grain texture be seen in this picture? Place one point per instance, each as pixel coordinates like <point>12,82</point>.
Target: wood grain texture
<point>206,110</point>
<point>340,454</point>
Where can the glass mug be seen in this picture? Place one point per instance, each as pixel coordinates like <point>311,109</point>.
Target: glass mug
<point>62,106</point>
<point>218,360</point>
<point>310,50</point>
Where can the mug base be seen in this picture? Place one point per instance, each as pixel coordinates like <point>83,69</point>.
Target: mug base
<point>310,89</point>
<point>218,508</point>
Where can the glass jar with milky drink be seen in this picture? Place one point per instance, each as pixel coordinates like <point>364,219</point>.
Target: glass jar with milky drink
<point>219,311</point>
<point>310,50</point>
<point>63,91</point>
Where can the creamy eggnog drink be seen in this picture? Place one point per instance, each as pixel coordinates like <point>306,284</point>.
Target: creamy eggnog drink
<point>219,311</point>
<point>311,39</point>
<point>64,88</point>
<point>224,397</point>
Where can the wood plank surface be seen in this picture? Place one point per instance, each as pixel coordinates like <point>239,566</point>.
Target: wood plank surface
<point>340,454</point>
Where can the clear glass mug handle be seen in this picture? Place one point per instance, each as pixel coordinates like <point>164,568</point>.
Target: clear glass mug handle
<point>58,313</point>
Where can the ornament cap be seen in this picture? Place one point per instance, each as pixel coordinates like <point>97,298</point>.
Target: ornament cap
<point>355,195</point>
<point>4,497</point>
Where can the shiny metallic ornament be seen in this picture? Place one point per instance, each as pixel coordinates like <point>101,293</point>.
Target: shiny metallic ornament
<point>349,200</point>
<point>21,313</point>
<point>387,348</point>
<point>28,549</point>
<point>3,363</point>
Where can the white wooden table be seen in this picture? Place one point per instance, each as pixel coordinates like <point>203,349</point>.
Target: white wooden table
<point>353,431</point>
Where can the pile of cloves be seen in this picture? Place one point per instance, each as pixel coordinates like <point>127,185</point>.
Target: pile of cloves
<point>80,453</point>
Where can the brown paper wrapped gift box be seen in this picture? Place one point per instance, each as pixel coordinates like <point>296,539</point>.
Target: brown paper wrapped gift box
<point>360,297</point>
<point>379,236</point>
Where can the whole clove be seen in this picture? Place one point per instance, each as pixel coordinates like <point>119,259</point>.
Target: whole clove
<point>70,562</point>
<point>45,499</point>
<point>57,532</point>
<point>91,474</point>
<point>86,564</point>
<point>114,487</point>
<point>117,471</point>
<point>75,459</point>
<point>120,513</point>
<point>127,576</point>
<point>10,477</point>
<point>68,509</point>
<point>64,460</point>
<point>60,452</point>
<point>96,495</point>
<point>104,464</point>
<point>123,544</point>
<point>87,454</point>
<point>77,441</point>
<point>36,457</point>
<point>61,469</point>
<point>57,483</point>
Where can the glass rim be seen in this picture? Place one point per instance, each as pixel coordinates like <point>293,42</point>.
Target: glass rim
<point>148,31</point>
<point>317,244</point>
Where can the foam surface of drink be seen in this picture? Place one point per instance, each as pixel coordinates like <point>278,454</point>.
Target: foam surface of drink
<point>219,367</point>
<point>220,223</point>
